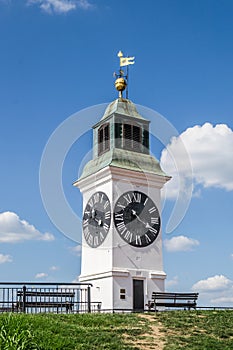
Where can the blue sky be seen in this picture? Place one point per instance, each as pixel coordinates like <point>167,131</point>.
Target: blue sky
<point>57,58</point>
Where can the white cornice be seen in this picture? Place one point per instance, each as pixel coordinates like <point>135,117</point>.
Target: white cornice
<point>112,273</point>
<point>158,275</point>
<point>108,173</point>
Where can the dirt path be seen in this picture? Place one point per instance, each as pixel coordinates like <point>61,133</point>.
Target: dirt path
<point>154,338</point>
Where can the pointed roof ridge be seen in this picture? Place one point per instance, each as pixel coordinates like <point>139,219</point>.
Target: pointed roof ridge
<point>123,107</point>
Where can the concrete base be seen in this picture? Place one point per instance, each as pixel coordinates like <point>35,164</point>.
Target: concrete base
<point>124,289</point>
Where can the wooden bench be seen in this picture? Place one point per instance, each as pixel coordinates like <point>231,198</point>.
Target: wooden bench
<point>45,299</point>
<point>6,309</point>
<point>177,300</point>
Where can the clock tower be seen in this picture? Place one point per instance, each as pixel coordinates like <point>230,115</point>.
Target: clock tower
<point>121,185</point>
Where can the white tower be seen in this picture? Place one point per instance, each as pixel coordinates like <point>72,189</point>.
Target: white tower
<point>122,236</point>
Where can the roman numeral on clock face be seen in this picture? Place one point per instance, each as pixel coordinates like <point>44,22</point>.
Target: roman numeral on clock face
<point>121,205</point>
<point>128,236</point>
<point>107,215</point>
<point>153,230</point>
<point>91,202</point>
<point>101,237</point>
<point>106,227</point>
<point>121,226</point>
<point>119,216</point>
<point>106,204</point>
<point>154,221</point>
<point>90,240</point>
<point>101,197</point>
<point>147,238</point>
<point>128,198</point>
<point>96,197</point>
<point>138,240</point>
<point>152,210</point>
<point>86,233</point>
<point>96,241</point>
<point>85,223</point>
<point>137,197</point>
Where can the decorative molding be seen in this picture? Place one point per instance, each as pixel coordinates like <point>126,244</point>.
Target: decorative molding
<point>158,275</point>
<point>107,274</point>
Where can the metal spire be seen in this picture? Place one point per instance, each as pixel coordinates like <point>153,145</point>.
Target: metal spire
<point>122,78</point>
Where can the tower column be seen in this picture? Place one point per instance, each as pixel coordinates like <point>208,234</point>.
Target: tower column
<point>121,185</point>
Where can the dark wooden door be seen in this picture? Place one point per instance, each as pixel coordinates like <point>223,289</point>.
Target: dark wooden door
<point>138,295</point>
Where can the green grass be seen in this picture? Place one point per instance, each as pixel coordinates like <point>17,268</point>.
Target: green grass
<point>197,330</point>
<point>15,333</point>
<point>193,330</point>
<point>86,331</point>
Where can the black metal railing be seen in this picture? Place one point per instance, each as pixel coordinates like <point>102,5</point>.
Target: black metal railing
<point>30,297</point>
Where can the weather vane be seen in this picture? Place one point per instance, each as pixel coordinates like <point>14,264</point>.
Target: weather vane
<point>122,78</point>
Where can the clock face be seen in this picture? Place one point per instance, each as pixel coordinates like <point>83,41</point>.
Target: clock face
<point>96,219</point>
<point>136,219</point>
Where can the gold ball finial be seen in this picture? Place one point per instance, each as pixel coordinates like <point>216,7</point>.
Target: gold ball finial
<point>120,84</point>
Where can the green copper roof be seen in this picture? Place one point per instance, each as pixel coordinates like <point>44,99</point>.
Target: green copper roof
<point>123,107</point>
<point>119,157</point>
<point>123,159</point>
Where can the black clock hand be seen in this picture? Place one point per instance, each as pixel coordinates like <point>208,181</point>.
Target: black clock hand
<point>139,219</point>
<point>144,223</point>
<point>94,217</point>
<point>99,221</point>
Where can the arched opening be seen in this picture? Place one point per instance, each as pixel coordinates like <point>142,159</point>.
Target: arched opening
<point>103,139</point>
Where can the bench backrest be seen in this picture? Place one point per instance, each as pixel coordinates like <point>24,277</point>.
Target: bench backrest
<point>174,296</point>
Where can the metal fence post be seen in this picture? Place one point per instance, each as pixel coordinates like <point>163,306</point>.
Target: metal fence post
<point>88,298</point>
<point>24,299</point>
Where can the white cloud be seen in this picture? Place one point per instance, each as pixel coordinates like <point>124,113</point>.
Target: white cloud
<point>77,250</point>
<point>180,243</point>
<point>220,300</point>
<point>76,280</point>
<point>14,230</point>
<point>60,6</point>
<point>212,284</point>
<point>210,151</point>
<point>41,275</point>
<point>5,258</point>
<point>54,268</point>
<point>216,290</point>
<point>84,4</point>
<point>173,282</point>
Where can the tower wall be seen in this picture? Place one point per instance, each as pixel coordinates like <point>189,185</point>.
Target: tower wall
<point>114,265</point>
